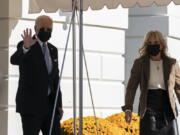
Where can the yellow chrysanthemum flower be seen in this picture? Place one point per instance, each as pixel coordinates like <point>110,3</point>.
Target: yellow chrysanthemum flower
<point>112,125</point>
<point>119,119</point>
<point>89,127</point>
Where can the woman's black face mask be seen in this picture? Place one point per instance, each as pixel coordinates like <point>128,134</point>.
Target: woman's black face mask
<point>44,35</point>
<point>153,49</point>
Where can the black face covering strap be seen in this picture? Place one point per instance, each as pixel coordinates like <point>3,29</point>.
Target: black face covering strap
<point>153,49</point>
<point>44,35</point>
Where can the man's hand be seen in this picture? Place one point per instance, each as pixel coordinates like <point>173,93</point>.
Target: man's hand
<point>128,116</point>
<point>27,38</point>
<point>60,113</point>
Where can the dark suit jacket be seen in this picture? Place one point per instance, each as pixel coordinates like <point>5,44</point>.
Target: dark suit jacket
<point>34,80</point>
<point>140,74</point>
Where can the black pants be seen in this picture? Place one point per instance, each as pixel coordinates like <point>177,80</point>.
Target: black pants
<point>159,118</point>
<point>33,124</point>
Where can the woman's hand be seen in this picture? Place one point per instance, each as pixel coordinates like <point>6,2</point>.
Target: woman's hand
<point>128,116</point>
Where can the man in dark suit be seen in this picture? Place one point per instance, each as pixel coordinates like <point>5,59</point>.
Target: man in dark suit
<point>39,75</point>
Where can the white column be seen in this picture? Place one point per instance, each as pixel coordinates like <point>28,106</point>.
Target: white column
<point>9,11</point>
<point>4,36</point>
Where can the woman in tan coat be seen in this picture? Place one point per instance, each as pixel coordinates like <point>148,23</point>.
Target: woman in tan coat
<point>159,78</point>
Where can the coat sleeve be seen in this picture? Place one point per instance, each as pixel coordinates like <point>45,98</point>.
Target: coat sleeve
<point>132,85</point>
<point>18,56</point>
<point>177,81</point>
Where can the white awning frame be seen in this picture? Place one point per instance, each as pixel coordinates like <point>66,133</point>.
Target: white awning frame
<point>51,6</point>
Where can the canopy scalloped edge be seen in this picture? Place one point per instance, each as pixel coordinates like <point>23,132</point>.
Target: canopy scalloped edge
<point>51,6</point>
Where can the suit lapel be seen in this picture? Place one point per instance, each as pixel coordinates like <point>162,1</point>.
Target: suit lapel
<point>41,56</point>
<point>53,56</point>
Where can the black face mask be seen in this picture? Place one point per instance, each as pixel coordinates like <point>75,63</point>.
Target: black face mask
<point>44,35</point>
<point>153,49</point>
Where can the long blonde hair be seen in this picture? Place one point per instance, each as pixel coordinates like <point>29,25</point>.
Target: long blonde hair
<point>158,35</point>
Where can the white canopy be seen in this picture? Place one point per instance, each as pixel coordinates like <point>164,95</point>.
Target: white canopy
<point>35,6</point>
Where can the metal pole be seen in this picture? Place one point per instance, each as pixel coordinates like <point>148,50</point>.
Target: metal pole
<point>74,70</point>
<point>61,71</point>
<point>81,69</point>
